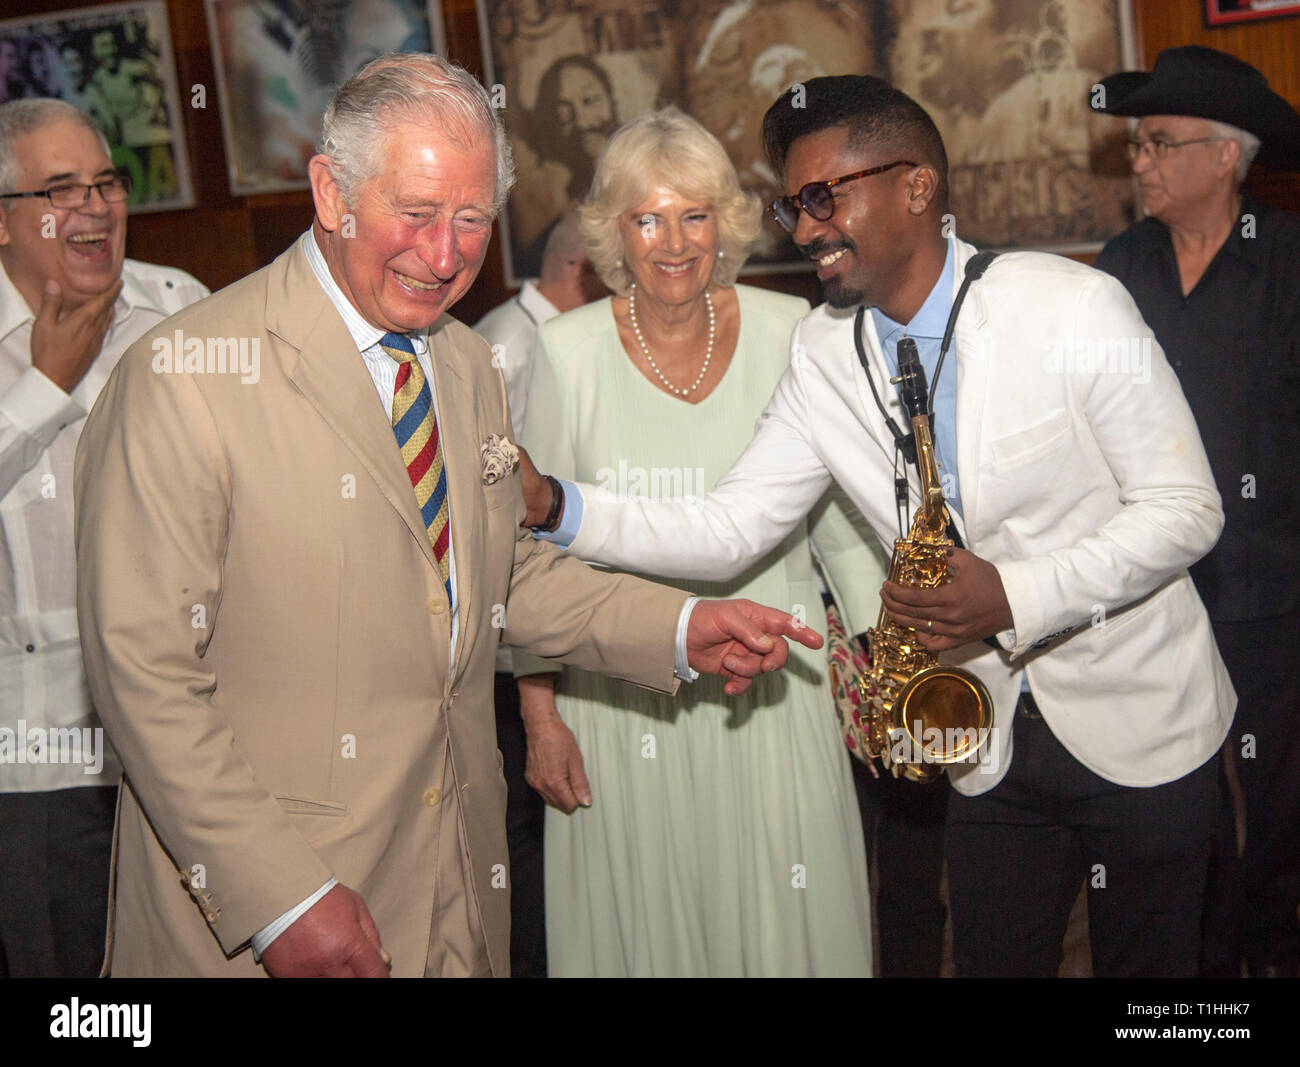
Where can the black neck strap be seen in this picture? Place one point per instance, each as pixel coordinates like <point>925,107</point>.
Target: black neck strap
<point>906,442</point>
<point>975,267</point>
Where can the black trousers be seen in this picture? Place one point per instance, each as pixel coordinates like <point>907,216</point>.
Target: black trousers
<point>1251,910</point>
<point>525,812</point>
<point>1018,854</point>
<point>904,826</point>
<point>54,881</point>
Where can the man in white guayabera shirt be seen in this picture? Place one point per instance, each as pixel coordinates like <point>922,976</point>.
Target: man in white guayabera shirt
<point>70,303</point>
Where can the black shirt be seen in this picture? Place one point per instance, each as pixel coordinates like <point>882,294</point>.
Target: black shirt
<point>1234,342</point>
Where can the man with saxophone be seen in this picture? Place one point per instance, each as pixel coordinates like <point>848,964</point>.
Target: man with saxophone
<point>1075,478</point>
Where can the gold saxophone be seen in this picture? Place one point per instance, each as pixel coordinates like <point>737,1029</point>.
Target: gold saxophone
<point>920,715</point>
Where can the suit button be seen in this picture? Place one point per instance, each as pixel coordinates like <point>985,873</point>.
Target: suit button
<point>431,796</point>
<point>436,606</point>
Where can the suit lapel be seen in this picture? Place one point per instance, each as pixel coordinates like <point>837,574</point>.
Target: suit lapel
<point>331,374</point>
<point>970,344</point>
<point>457,429</point>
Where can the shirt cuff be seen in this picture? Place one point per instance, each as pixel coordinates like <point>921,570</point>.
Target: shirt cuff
<point>681,666</point>
<point>267,934</point>
<point>40,408</point>
<point>562,536</point>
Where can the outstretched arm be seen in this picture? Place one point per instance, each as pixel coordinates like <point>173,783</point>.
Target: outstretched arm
<point>740,640</point>
<point>771,488</point>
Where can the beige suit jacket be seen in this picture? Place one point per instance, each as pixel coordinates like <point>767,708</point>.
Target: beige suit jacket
<point>267,638</point>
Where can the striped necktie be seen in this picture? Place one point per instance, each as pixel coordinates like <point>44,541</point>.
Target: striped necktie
<point>416,429</point>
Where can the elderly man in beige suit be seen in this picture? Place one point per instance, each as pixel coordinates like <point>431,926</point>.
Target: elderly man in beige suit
<point>291,589</point>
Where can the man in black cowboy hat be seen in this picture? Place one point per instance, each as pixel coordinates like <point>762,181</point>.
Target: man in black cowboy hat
<point>1216,274</point>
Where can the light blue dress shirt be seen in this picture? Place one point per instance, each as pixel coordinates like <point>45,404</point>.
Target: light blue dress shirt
<point>570,522</point>
<point>926,329</point>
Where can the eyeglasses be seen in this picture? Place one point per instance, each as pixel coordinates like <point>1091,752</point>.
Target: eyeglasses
<point>1160,148</point>
<point>77,194</point>
<point>816,199</point>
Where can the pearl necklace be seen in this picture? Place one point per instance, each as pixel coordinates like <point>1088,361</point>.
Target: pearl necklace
<point>645,351</point>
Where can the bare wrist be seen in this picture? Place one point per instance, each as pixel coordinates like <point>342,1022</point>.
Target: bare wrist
<point>537,700</point>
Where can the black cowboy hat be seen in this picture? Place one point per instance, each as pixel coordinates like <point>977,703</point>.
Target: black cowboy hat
<point>1208,84</point>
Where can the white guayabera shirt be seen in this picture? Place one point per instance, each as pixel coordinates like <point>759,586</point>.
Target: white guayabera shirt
<point>42,683</point>
<point>511,330</point>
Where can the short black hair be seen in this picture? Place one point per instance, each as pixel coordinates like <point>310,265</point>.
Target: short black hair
<point>870,108</point>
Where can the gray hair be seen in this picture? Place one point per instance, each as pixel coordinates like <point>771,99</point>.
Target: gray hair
<point>21,117</point>
<point>408,87</point>
<point>668,148</point>
<point>1248,142</point>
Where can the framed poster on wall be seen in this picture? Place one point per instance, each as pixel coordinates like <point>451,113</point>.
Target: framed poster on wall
<point>115,63</point>
<point>1006,81</point>
<point>1230,12</point>
<point>278,63</point>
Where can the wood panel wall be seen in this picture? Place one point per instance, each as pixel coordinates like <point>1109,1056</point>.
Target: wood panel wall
<point>226,237</point>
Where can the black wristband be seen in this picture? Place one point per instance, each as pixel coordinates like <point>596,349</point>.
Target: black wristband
<point>557,502</point>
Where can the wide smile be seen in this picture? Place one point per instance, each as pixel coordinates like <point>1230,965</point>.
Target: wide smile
<point>415,285</point>
<point>676,270</point>
<point>91,244</point>
<point>826,262</point>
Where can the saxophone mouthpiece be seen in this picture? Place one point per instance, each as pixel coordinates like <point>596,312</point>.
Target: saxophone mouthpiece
<point>911,378</point>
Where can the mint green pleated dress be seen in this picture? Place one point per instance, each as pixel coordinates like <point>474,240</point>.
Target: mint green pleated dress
<point>724,837</point>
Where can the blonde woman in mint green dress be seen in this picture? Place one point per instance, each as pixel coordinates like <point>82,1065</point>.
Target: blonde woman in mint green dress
<point>722,835</point>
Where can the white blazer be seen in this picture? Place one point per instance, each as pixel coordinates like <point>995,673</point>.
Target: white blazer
<point>1083,479</point>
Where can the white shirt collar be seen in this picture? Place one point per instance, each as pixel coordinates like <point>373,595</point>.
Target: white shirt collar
<point>14,311</point>
<point>364,335</point>
<point>535,305</point>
